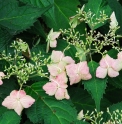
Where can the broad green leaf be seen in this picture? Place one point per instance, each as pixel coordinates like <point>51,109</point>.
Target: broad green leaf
<point>116,106</point>
<point>81,122</point>
<point>113,108</point>
<point>112,53</point>
<point>37,29</point>
<point>95,86</point>
<point>58,16</point>
<point>10,117</point>
<point>96,7</point>
<point>117,8</point>
<point>81,99</point>
<point>18,18</point>
<point>117,81</point>
<point>5,37</point>
<point>49,109</point>
<point>3,109</point>
<point>113,94</point>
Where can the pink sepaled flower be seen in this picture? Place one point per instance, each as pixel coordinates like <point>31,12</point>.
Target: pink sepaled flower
<point>18,100</point>
<point>51,39</point>
<point>108,66</point>
<point>78,71</point>
<point>58,56</point>
<point>56,69</point>
<point>113,23</point>
<point>1,75</point>
<point>57,87</point>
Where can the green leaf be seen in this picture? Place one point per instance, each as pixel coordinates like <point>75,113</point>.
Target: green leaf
<point>97,6</point>
<point>18,18</point>
<point>81,99</point>
<point>113,94</point>
<point>117,81</point>
<point>116,106</point>
<point>49,109</point>
<point>113,53</point>
<point>2,110</point>
<point>95,86</point>
<point>113,108</point>
<point>58,16</point>
<point>37,29</point>
<point>117,8</point>
<point>10,117</point>
<point>5,37</point>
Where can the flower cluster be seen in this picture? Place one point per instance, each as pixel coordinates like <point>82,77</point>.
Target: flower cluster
<point>60,67</point>
<point>109,66</point>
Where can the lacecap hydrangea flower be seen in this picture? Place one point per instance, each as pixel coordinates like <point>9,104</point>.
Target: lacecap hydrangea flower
<point>108,66</point>
<point>18,100</point>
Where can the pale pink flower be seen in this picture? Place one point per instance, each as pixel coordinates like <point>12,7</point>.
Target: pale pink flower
<point>62,77</point>
<point>68,60</point>
<point>56,69</point>
<point>113,23</point>
<point>78,71</point>
<point>107,66</point>
<point>57,87</point>
<point>18,100</point>
<point>51,38</point>
<point>1,75</point>
<point>58,56</point>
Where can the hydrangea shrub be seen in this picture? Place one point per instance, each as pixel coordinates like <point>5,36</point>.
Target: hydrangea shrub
<point>60,62</point>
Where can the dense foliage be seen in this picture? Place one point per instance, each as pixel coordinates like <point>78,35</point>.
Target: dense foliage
<point>60,62</point>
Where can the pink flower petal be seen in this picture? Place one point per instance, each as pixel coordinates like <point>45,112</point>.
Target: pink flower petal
<point>14,94</point>
<point>21,93</point>
<point>83,67</point>
<point>56,56</point>
<point>106,61</point>
<point>112,73</point>
<point>68,60</point>
<point>75,79</point>
<point>71,70</point>
<point>50,88</point>
<point>53,43</point>
<point>9,102</point>
<point>120,55</point>
<point>60,80</point>
<point>2,74</point>
<point>18,109</point>
<point>27,101</point>
<point>1,82</point>
<point>60,94</point>
<point>66,94</point>
<point>117,65</point>
<point>86,76</point>
<point>101,72</point>
<point>54,35</point>
<point>56,69</point>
